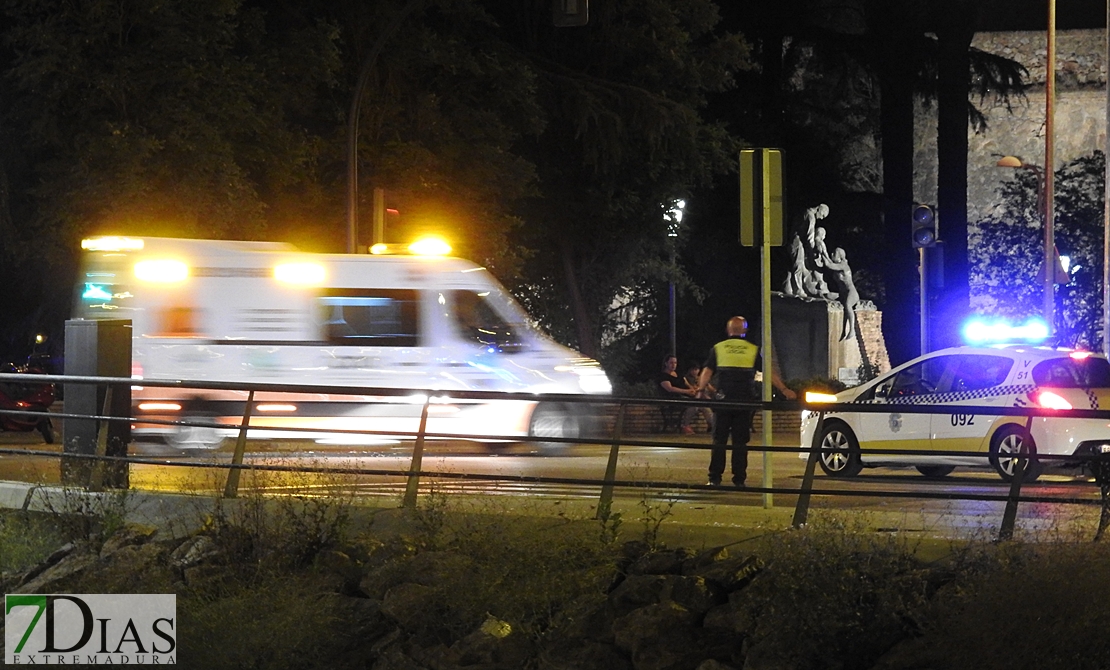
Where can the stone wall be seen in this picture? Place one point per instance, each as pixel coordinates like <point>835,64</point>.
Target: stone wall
<point>1079,115</point>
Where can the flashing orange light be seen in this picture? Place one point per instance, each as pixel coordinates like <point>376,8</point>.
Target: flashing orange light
<point>817,397</point>
<point>430,246</point>
<point>1079,355</point>
<point>112,243</point>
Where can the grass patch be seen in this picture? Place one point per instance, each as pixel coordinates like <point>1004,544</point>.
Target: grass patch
<point>27,538</point>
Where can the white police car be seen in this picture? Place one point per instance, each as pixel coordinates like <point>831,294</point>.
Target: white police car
<point>1014,375</point>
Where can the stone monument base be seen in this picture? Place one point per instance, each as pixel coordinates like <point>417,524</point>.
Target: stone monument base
<point>807,342</point>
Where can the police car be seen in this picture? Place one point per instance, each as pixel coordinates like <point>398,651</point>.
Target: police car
<point>1012,375</point>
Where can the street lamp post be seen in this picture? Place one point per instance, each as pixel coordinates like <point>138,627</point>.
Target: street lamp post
<point>1044,208</point>
<point>673,217</point>
<point>352,122</point>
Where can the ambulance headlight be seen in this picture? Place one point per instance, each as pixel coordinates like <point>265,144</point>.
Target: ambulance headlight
<point>593,380</point>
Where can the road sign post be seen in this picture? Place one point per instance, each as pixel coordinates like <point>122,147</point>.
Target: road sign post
<point>761,224</point>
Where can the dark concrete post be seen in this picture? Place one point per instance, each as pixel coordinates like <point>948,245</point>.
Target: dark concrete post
<point>96,349</point>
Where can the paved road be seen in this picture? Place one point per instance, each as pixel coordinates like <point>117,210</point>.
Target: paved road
<point>896,498</point>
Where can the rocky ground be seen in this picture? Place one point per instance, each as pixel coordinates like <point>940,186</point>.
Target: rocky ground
<point>389,603</point>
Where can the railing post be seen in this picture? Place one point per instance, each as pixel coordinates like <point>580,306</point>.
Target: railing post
<point>413,484</point>
<point>231,489</point>
<point>801,510</point>
<point>1009,516</point>
<point>96,476</point>
<point>605,503</point>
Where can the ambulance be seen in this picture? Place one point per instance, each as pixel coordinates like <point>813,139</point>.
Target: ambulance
<point>246,312</point>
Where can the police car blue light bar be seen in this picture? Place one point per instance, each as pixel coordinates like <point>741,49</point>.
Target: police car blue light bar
<point>983,332</point>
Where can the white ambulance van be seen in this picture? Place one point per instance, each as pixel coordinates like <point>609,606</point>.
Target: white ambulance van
<point>208,310</point>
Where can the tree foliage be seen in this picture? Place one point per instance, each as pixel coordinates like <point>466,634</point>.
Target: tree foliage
<point>1008,250</point>
<point>547,154</point>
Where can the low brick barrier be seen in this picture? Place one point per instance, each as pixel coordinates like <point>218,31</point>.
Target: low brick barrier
<point>647,419</point>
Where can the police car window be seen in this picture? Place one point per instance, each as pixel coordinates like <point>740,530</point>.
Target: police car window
<point>923,378</point>
<point>477,320</point>
<point>1090,372</point>
<point>369,317</point>
<point>975,372</point>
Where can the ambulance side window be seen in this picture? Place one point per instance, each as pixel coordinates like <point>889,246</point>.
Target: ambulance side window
<point>369,317</point>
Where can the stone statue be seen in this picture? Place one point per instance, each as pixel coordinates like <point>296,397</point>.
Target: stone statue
<point>810,260</point>
<point>838,263</point>
<point>807,253</point>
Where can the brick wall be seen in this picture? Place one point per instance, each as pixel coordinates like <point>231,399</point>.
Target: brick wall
<point>644,419</point>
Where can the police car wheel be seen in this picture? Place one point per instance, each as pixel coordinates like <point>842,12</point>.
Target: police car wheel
<point>1007,443</point>
<point>936,471</point>
<point>839,451</point>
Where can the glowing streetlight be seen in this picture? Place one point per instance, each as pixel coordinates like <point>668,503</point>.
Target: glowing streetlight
<point>673,217</point>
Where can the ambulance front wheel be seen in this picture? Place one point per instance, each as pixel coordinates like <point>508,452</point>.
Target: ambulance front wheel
<point>558,420</point>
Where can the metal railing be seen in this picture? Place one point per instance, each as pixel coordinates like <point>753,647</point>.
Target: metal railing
<point>615,436</point>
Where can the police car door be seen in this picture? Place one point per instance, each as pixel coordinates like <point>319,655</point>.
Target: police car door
<point>977,380</point>
<point>914,386</point>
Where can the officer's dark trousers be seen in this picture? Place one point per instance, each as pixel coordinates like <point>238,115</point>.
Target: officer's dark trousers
<point>737,424</point>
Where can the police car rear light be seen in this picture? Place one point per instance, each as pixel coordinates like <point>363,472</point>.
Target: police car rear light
<point>1049,400</point>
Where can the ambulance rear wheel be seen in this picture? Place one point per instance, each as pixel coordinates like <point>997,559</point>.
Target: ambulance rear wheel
<point>551,419</point>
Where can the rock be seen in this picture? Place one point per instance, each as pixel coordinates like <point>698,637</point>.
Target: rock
<point>586,656</point>
<point>713,664</point>
<point>660,563</point>
<point>127,536</point>
<point>729,573</point>
<point>409,604</point>
<point>133,567</point>
<point>192,551</point>
<point>73,564</point>
<point>343,572</point>
<point>436,568</point>
<point>694,594</point>
<point>635,629</point>
<point>395,659</point>
<point>704,559</point>
<point>637,591</point>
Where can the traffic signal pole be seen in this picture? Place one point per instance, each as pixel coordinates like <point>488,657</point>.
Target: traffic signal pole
<point>923,297</point>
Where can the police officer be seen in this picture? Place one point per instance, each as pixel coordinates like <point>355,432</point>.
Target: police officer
<point>734,361</point>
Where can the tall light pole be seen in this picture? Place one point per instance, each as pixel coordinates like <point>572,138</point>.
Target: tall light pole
<point>352,120</point>
<point>1049,174</point>
<point>673,217</point>
<point>1106,210</point>
<point>1044,208</point>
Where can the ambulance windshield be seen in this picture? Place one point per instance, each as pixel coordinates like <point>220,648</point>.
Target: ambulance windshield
<point>488,319</point>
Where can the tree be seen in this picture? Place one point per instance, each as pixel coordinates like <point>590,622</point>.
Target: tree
<point>1007,252</point>
<point>166,118</point>
<point>623,138</point>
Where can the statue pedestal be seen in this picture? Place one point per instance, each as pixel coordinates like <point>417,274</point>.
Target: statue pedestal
<point>807,340</point>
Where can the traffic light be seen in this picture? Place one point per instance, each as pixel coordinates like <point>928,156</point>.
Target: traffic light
<point>924,226</point>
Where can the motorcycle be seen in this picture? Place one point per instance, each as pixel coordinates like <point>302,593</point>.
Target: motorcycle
<point>29,397</point>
